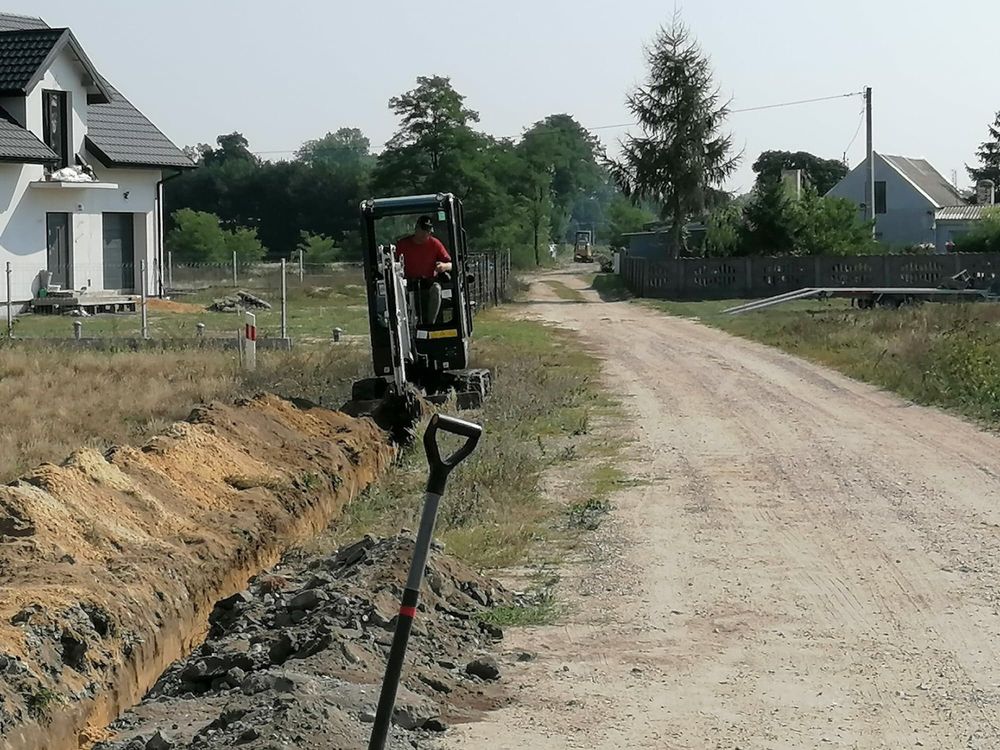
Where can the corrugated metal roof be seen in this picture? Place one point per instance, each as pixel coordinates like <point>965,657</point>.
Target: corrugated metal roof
<point>961,213</point>
<point>14,22</point>
<point>926,178</point>
<point>119,135</point>
<point>21,146</point>
<point>22,53</point>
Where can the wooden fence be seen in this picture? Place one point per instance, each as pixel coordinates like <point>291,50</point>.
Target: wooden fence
<point>757,277</point>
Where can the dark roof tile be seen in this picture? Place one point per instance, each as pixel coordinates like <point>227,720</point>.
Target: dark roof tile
<point>19,145</point>
<point>13,22</point>
<point>22,53</point>
<point>119,135</point>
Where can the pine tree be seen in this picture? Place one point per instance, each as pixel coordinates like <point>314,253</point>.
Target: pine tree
<point>681,153</point>
<point>989,157</point>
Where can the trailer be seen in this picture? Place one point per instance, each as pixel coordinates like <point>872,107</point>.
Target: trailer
<point>868,297</point>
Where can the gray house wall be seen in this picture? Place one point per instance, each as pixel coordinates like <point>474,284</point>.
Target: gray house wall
<point>909,216</point>
<point>651,245</point>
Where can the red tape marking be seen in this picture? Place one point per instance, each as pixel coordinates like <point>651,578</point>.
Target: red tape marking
<point>251,332</point>
<point>410,612</point>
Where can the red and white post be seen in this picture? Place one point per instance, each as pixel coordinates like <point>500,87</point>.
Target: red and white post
<point>250,341</point>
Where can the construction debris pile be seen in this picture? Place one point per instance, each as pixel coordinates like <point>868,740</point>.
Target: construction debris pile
<point>296,660</point>
<point>239,301</point>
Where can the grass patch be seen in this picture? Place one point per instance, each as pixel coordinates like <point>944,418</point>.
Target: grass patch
<point>590,511</point>
<point>610,287</point>
<point>940,354</point>
<point>42,701</point>
<point>564,292</point>
<point>315,308</point>
<point>538,607</point>
<point>546,393</point>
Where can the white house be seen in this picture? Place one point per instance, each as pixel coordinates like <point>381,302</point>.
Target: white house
<point>81,170</point>
<point>914,203</point>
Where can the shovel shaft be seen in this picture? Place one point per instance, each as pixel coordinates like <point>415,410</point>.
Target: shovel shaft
<point>393,670</point>
<point>404,623</point>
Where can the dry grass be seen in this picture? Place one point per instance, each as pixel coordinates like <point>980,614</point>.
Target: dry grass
<point>546,392</point>
<point>936,353</point>
<point>56,400</point>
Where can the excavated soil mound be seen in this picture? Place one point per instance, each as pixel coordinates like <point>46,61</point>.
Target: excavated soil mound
<point>171,306</point>
<point>296,659</point>
<point>110,564</point>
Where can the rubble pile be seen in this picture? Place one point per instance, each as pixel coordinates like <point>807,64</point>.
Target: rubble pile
<point>239,301</point>
<point>298,657</point>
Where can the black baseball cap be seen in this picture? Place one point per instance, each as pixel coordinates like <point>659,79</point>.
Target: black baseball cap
<point>425,223</point>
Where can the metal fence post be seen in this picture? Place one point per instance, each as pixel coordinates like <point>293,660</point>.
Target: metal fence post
<point>77,330</point>
<point>170,270</point>
<point>284,301</point>
<point>302,267</point>
<point>235,280</point>
<point>250,341</point>
<point>496,278</point>
<point>10,306</point>
<point>142,299</point>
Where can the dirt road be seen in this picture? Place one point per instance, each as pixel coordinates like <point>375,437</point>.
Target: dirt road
<point>807,562</point>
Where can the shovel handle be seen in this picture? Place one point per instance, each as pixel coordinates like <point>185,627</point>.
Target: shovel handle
<point>440,468</point>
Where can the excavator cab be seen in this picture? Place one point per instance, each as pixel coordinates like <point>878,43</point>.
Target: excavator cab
<point>408,348</point>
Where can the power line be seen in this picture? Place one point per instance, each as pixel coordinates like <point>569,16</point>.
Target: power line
<point>750,109</point>
<point>861,121</point>
<point>632,124</point>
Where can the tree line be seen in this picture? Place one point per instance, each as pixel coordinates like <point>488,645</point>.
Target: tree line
<point>526,192</point>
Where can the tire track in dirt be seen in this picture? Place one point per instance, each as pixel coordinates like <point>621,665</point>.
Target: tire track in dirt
<point>815,561</point>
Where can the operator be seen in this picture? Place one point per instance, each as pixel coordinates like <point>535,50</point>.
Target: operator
<point>424,257</point>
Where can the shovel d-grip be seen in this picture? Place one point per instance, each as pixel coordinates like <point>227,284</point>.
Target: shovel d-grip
<point>437,479</point>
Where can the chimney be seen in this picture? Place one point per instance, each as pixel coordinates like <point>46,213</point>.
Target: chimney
<point>985,193</point>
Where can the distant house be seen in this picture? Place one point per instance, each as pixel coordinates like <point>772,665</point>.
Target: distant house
<point>655,241</point>
<point>81,170</point>
<point>914,203</point>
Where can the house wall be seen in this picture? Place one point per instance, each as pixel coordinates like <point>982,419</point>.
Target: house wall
<point>951,230</point>
<point>23,208</point>
<point>23,212</point>
<point>63,75</point>
<point>653,245</point>
<point>909,216</point>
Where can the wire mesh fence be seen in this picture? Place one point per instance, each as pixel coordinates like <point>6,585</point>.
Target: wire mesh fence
<point>304,302</point>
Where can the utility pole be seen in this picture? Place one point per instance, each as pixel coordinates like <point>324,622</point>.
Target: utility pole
<point>870,152</point>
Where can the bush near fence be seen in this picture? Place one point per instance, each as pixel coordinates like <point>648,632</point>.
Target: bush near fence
<point>756,277</point>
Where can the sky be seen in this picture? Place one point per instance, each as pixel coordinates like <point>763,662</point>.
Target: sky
<point>282,73</point>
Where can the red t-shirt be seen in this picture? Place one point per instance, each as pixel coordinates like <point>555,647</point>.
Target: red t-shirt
<point>419,258</point>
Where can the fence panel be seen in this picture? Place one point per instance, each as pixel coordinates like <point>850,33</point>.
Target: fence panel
<point>757,277</point>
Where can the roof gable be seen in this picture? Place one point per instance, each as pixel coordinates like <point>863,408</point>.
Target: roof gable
<point>926,179</point>
<point>26,54</point>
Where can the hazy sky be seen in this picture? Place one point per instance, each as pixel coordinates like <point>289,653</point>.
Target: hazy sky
<point>285,72</point>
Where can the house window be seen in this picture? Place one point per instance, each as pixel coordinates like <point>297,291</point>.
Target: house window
<point>55,124</point>
<point>880,197</point>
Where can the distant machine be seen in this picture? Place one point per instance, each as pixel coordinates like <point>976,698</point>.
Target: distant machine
<point>583,250</point>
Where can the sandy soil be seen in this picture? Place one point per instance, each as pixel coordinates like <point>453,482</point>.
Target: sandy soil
<point>805,562</point>
<point>111,563</point>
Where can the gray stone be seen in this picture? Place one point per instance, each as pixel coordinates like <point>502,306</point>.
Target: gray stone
<point>414,715</point>
<point>485,668</point>
<point>308,599</point>
<point>159,741</point>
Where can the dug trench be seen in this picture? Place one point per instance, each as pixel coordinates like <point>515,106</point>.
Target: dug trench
<point>111,564</point>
